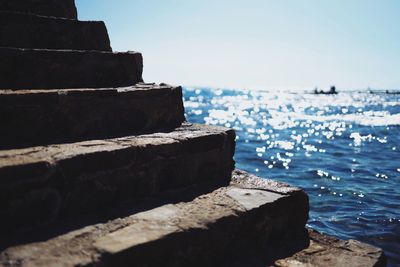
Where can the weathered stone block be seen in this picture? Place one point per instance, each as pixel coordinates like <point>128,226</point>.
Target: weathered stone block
<point>213,229</point>
<point>32,31</point>
<point>54,69</point>
<point>329,251</point>
<point>206,231</point>
<point>38,117</point>
<point>41,184</point>
<point>54,8</point>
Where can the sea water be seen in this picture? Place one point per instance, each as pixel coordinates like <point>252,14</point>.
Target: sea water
<point>343,150</point>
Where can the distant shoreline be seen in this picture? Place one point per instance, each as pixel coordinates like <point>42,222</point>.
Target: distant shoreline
<point>288,90</point>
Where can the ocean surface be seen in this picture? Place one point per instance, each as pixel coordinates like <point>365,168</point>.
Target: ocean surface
<point>343,150</point>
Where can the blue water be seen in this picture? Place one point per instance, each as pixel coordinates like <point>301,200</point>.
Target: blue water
<point>343,150</point>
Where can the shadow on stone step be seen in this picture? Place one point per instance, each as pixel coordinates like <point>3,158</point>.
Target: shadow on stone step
<point>185,250</point>
<point>45,140</point>
<point>261,255</point>
<point>65,225</point>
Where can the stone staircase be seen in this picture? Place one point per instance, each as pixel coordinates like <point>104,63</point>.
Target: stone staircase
<point>98,168</point>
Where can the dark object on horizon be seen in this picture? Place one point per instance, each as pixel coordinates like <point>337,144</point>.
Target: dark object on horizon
<point>332,91</point>
<point>388,92</point>
<point>392,92</point>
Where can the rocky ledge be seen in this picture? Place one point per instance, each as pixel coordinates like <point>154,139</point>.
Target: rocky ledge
<point>329,251</point>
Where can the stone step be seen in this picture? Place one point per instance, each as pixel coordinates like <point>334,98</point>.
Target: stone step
<point>54,8</point>
<point>55,69</point>
<point>38,117</point>
<point>39,185</point>
<point>218,228</point>
<point>31,31</point>
<point>329,251</point>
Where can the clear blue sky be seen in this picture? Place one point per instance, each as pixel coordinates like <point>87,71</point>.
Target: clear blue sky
<point>258,43</point>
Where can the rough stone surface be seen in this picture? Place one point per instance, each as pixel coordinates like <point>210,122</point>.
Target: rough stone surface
<point>32,31</point>
<point>55,69</point>
<point>328,251</point>
<point>251,199</point>
<point>54,8</point>
<point>210,230</point>
<point>37,117</point>
<point>247,180</point>
<point>39,185</point>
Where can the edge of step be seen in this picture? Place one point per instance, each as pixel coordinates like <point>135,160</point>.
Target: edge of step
<point>24,68</point>
<point>21,30</point>
<point>39,117</point>
<point>54,8</point>
<point>40,185</point>
<point>204,230</point>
